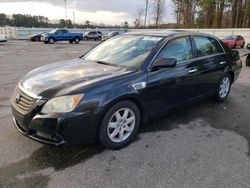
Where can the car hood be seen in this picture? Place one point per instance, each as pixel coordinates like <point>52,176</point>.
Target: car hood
<point>67,74</point>
<point>228,40</point>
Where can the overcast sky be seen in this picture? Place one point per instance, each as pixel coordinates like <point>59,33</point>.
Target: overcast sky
<point>98,11</point>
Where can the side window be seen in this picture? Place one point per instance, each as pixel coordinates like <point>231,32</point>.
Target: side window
<point>59,31</point>
<point>179,48</point>
<point>207,46</point>
<point>64,31</point>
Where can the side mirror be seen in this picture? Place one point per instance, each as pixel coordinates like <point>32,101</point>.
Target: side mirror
<point>164,63</point>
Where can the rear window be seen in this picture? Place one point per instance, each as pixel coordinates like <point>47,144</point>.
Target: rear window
<point>230,37</point>
<point>225,47</point>
<point>207,46</point>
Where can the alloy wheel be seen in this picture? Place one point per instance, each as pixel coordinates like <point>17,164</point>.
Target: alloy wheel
<point>224,87</point>
<point>121,125</point>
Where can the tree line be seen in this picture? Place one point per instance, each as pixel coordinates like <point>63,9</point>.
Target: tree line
<point>24,20</point>
<point>195,14</point>
<point>188,14</point>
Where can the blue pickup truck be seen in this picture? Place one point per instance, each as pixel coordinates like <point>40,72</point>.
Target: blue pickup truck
<point>61,35</point>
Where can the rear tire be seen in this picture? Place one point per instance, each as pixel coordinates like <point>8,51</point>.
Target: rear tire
<point>223,88</point>
<point>119,125</point>
<point>37,39</point>
<point>77,40</point>
<point>248,61</point>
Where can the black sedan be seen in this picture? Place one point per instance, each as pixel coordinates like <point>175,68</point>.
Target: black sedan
<point>110,91</point>
<point>35,37</point>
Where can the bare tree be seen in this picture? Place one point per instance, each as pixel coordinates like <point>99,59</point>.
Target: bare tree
<point>138,17</point>
<point>146,12</point>
<point>158,11</point>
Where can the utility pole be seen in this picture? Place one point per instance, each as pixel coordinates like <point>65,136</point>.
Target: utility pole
<point>146,13</point>
<point>65,10</point>
<point>74,19</point>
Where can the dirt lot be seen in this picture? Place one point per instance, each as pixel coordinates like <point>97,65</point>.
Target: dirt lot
<point>202,145</point>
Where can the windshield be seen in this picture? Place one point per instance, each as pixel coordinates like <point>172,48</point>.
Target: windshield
<point>230,38</point>
<point>125,50</point>
<point>53,31</point>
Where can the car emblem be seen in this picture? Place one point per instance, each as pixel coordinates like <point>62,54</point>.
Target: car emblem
<point>18,98</point>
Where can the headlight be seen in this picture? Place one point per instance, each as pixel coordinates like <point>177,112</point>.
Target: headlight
<point>62,104</point>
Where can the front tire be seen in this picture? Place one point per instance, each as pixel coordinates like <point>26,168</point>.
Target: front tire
<point>119,125</point>
<point>243,45</point>
<point>51,40</point>
<point>223,88</point>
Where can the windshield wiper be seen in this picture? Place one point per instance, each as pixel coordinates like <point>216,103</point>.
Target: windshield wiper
<point>105,63</point>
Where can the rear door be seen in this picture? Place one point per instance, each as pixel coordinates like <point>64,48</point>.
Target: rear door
<point>65,34</point>
<point>211,63</point>
<point>92,35</point>
<point>169,87</point>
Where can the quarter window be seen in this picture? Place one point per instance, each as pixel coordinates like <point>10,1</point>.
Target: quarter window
<point>207,46</point>
<point>179,48</point>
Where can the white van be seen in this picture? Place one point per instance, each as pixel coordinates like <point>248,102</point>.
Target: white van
<point>3,38</point>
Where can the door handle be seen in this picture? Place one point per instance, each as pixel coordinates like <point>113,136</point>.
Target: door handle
<point>223,63</point>
<point>191,71</point>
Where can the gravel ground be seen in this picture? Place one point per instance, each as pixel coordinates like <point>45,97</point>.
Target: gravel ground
<point>202,145</point>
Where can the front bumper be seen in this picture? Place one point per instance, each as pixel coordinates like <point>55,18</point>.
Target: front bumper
<point>58,129</point>
<point>44,38</point>
<point>230,45</point>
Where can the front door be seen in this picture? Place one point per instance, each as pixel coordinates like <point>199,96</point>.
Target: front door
<point>171,86</point>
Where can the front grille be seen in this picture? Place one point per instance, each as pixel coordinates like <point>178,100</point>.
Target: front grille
<point>22,102</point>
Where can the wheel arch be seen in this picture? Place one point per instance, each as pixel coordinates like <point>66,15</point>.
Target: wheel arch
<point>51,37</point>
<point>132,98</point>
<point>231,74</point>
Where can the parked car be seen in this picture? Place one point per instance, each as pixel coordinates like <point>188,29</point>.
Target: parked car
<point>61,35</point>
<point>94,35</point>
<point>109,35</point>
<point>110,91</point>
<point>3,38</point>
<point>232,41</point>
<point>36,37</point>
<point>248,46</point>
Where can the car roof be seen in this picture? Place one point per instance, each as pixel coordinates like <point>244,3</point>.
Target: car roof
<point>167,33</point>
